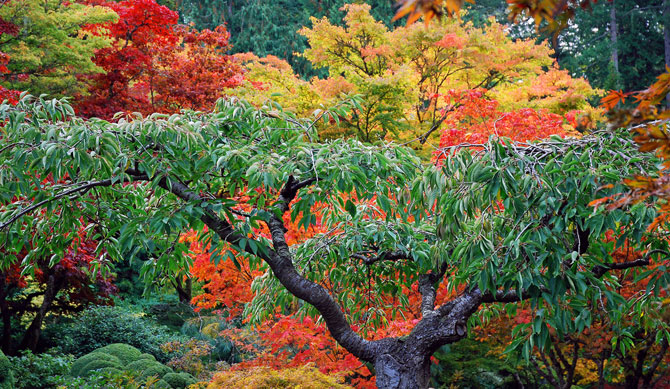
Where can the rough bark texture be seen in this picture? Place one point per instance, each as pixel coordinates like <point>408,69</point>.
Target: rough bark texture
<point>666,38</point>
<point>613,37</point>
<point>32,335</point>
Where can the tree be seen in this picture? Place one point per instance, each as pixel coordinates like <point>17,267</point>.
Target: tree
<point>507,222</point>
<point>270,28</point>
<point>402,73</point>
<point>156,65</point>
<point>50,44</point>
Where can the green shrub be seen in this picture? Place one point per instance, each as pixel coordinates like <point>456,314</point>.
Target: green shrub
<point>179,380</point>
<point>39,371</point>
<point>157,370</point>
<point>147,356</point>
<point>126,353</point>
<point>6,375</point>
<point>80,363</point>
<point>97,365</point>
<point>140,365</point>
<point>162,384</point>
<point>100,326</point>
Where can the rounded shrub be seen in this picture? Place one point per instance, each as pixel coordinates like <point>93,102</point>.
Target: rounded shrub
<point>147,356</point>
<point>140,365</point>
<point>97,365</point>
<point>162,384</point>
<point>80,363</point>
<point>156,370</point>
<point>126,353</point>
<point>6,375</point>
<point>179,380</point>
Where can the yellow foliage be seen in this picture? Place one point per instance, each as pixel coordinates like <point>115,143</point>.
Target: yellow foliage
<point>586,372</point>
<point>304,377</point>
<point>212,330</point>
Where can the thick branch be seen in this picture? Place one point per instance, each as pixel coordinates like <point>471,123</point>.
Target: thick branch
<point>427,289</point>
<point>281,263</point>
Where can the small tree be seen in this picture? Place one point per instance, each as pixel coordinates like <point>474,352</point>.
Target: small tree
<point>500,222</point>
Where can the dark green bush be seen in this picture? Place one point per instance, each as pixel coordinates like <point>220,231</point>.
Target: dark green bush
<point>39,371</point>
<point>122,363</point>
<point>179,380</point>
<point>155,370</point>
<point>97,365</point>
<point>140,365</point>
<point>124,352</point>
<point>80,363</point>
<point>6,375</point>
<point>99,326</point>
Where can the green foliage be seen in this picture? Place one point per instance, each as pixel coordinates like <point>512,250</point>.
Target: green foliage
<point>101,326</point>
<point>587,48</point>
<point>501,216</point>
<point>39,371</point>
<point>179,380</point>
<point>156,369</point>
<point>6,373</point>
<point>54,44</point>
<point>127,364</point>
<point>471,364</point>
<point>79,367</point>
<point>271,27</point>
<point>124,352</point>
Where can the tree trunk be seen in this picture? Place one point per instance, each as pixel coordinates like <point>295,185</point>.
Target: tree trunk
<point>32,335</point>
<point>183,290</point>
<point>613,37</point>
<point>6,317</point>
<point>666,38</point>
<point>402,371</point>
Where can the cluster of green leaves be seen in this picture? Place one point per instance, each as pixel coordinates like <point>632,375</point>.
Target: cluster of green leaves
<point>54,44</point>
<point>99,326</point>
<point>501,216</point>
<point>40,371</point>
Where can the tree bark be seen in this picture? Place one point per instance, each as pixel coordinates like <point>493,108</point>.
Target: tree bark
<point>6,317</point>
<point>666,38</point>
<point>613,37</point>
<point>32,334</point>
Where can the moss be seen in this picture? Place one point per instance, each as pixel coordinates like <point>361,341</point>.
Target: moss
<point>179,380</point>
<point>6,375</point>
<point>96,365</point>
<point>80,363</point>
<point>126,353</point>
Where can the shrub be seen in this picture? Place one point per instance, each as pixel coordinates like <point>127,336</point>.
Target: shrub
<point>39,371</point>
<point>80,363</point>
<point>157,370</point>
<point>97,365</point>
<point>140,365</point>
<point>6,376</point>
<point>123,363</point>
<point>179,380</point>
<point>124,352</point>
<point>103,325</point>
<point>266,378</point>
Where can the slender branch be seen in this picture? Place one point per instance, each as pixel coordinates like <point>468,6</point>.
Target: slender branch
<point>385,256</point>
<point>86,186</point>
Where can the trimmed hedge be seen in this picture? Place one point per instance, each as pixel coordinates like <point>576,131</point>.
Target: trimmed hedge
<point>122,358</point>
